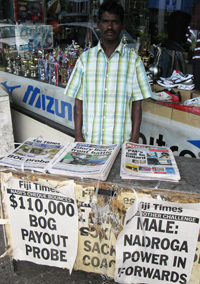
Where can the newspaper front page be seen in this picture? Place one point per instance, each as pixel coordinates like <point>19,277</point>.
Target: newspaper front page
<point>43,221</point>
<point>86,159</point>
<point>148,162</point>
<point>157,243</point>
<point>34,154</point>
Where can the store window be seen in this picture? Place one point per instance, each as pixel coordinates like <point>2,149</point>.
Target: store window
<point>59,28</point>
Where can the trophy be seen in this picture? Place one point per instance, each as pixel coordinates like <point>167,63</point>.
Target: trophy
<point>52,72</point>
<point>8,58</point>
<point>41,71</point>
<point>6,52</point>
<point>124,39</point>
<point>24,63</point>
<point>63,71</point>
<point>155,67</point>
<point>33,66</point>
<point>41,61</point>
<point>9,67</point>
<point>41,53</point>
<point>33,69</point>
<point>14,67</point>
<point>18,65</point>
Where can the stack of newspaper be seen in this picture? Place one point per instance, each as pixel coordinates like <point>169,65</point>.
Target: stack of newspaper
<point>34,154</point>
<point>147,162</point>
<point>71,159</point>
<point>85,160</point>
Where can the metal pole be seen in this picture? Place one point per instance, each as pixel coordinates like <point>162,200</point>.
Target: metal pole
<point>45,11</point>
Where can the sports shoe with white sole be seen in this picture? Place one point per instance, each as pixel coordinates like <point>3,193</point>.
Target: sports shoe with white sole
<point>166,95</point>
<point>178,80</point>
<point>193,102</point>
<point>177,75</point>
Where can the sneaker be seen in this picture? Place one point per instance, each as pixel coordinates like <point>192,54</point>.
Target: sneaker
<point>193,102</point>
<point>178,76</point>
<point>149,77</point>
<point>179,80</point>
<point>166,95</point>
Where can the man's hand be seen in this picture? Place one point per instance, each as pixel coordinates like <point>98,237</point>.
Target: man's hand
<point>136,120</point>
<point>78,118</point>
<point>134,139</point>
<point>79,139</point>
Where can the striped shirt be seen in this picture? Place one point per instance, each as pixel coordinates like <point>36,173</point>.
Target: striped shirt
<point>107,87</point>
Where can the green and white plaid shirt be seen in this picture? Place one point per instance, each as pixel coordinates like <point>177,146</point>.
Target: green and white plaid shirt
<point>107,87</point>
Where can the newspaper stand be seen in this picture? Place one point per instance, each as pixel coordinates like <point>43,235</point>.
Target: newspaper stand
<point>96,245</point>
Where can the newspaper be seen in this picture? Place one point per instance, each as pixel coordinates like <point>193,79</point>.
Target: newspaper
<point>34,154</point>
<point>148,162</point>
<point>85,160</point>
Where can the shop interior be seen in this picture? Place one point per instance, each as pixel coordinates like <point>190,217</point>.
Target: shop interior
<point>153,29</point>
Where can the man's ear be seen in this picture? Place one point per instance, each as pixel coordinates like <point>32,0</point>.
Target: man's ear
<point>123,25</point>
<point>98,21</point>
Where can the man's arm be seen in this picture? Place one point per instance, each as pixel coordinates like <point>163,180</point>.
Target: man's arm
<point>78,118</point>
<point>136,120</point>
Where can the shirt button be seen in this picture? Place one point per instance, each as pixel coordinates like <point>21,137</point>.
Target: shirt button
<point>102,129</point>
<point>105,89</point>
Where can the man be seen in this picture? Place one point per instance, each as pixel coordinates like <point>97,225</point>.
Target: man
<point>108,82</point>
<point>193,36</point>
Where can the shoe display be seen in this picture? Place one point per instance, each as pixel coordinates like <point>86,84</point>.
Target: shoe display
<point>193,102</point>
<point>178,80</point>
<point>166,95</point>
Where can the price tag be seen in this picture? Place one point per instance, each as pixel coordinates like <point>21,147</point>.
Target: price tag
<point>43,222</point>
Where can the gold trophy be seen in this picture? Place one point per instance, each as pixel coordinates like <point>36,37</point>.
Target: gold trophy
<point>8,58</point>
<point>25,66</point>
<point>9,67</point>
<point>18,65</point>
<point>33,69</point>
<point>63,72</point>
<point>33,66</point>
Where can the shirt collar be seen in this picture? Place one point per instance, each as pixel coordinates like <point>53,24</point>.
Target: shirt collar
<point>119,49</point>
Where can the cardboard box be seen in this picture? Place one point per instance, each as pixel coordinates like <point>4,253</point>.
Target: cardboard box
<point>150,106</point>
<point>188,118</point>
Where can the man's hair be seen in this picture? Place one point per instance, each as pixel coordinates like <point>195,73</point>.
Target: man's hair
<point>112,7</point>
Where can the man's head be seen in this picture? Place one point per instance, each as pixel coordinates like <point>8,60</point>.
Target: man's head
<point>112,7</point>
<point>110,22</point>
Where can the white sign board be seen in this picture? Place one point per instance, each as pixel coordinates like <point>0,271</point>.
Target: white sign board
<point>43,222</point>
<point>41,98</point>
<point>158,242</point>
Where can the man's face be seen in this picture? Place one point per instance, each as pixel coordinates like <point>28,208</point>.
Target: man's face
<point>110,26</point>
